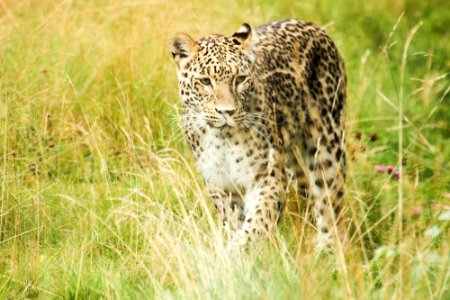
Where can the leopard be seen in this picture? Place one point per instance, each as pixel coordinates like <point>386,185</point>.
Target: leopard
<point>263,114</point>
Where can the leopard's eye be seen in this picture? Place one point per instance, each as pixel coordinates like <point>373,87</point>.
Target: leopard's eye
<point>239,79</point>
<point>205,81</point>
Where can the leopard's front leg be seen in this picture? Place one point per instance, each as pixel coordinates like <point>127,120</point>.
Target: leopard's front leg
<point>263,205</point>
<point>229,209</point>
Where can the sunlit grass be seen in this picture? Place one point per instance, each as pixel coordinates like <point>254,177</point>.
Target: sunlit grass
<point>99,196</point>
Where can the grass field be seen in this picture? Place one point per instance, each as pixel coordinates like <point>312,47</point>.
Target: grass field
<point>99,197</point>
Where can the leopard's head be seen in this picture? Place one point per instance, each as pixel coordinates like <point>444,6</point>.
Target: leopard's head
<point>215,76</point>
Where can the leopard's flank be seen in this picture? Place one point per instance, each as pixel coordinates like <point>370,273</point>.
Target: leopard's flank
<point>264,113</point>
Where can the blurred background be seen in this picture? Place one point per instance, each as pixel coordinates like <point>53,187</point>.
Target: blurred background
<point>99,197</point>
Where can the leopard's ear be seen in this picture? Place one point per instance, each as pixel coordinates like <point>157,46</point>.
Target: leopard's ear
<point>183,48</point>
<point>244,36</point>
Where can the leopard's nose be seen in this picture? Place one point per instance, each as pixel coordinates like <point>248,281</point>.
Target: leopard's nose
<point>225,110</point>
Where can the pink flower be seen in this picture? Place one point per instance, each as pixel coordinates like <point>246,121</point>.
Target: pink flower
<point>416,212</point>
<point>380,168</point>
<point>397,174</point>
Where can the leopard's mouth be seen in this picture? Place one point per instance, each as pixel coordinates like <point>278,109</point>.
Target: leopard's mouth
<point>223,125</point>
<point>222,122</point>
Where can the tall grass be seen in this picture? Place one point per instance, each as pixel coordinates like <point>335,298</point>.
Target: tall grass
<point>99,197</point>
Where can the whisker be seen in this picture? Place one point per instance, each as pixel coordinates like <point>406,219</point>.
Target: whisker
<point>252,125</point>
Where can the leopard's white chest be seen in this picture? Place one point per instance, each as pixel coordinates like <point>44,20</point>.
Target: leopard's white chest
<point>226,164</point>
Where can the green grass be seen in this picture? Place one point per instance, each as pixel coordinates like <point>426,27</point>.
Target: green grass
<point>99,197</point>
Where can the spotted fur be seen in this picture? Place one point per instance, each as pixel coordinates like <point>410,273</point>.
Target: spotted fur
<point>262,108</point>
